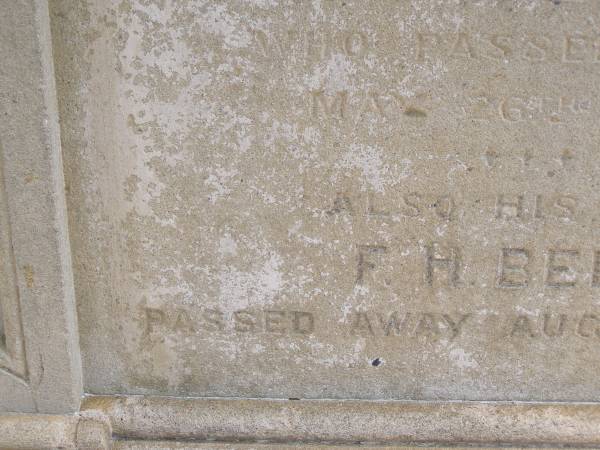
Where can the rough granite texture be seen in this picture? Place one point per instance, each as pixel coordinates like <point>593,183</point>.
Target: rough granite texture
<point>334,199</point>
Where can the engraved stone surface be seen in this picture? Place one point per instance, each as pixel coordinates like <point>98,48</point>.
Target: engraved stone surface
<point>334,199</point>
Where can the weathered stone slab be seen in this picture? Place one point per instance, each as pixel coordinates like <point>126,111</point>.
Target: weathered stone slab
<point>337,199</point>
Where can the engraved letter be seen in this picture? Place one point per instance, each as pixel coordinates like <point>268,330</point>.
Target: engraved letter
<point>556,330</point>
<point>583,329</point>
<point>444,206</point>
<point>244,321</point>
<point>462,46</point>
<point>427,326</point>
<point>303,322</point>
<point>364,251</point>
<point>372,104</point>
<point>341,203</point>
<point>214,318</point>
<point>522,327</point>
<point>274,321</point>
<point>318,45</point>
<point>560,275</point>
<point>512,109</point>
<point>355,44</point>
<point>184,323</point>
<point>154,317</point>
<point>452,263</point>
<point>536,51</point>
<point>361,324</point>
<point>455,326</point>
<point>502,43</point>
<point>412,202</point>
<point>596,269</point>
<point>336,106</point>
<point>512,269</point>
<point>372,210</point>
<point>539,207</point>
<point>392,323</point>
<point>480,108</point>
<point>425,40</point>
<point>509,209</point>
<point>567,204</point>
<point>574,49</point>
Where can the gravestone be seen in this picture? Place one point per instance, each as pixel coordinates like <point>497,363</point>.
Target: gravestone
<point>376,202</point>
<point>392,200</point>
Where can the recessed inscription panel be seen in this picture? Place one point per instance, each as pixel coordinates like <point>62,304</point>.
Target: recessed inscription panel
<point>339,199</point>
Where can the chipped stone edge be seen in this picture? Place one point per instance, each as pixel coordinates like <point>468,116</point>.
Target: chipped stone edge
<point>349,421</point>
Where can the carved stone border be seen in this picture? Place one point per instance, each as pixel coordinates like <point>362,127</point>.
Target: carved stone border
<point>137,422</point>
<point>41,365</point>
<point>349,421</point>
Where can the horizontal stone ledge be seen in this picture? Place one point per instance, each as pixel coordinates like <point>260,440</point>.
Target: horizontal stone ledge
<point>350,421</point>
<point>128,444</point>
<point>45,431</point>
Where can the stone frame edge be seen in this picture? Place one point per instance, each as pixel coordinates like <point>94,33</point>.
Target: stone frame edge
<point>36,210</point>
<point>175,419</point>
<point>159,422</point>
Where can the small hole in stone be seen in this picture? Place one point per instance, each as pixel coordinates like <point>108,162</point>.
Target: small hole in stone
<point>293,398</point>
<point>376,362</point>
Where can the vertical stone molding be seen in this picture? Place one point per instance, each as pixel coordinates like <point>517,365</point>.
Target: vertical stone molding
<point>12,352</point>
<point>40,369</point>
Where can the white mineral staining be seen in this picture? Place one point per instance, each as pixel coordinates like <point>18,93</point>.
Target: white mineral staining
<point>217,20</point>
<point>240,289</point>
<point>217,181</point>
<point>227,246</point>
<point>369,160</point>
<point>462,359</point>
